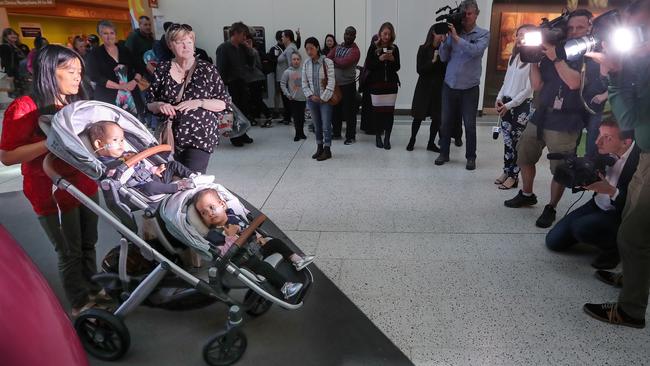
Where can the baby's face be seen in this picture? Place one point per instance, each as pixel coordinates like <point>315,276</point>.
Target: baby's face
<point>212,210</point>
<point>112,144</point>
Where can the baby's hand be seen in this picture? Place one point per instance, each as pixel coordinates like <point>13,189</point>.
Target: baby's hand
<point>158,169</point>
<point>231,230</point>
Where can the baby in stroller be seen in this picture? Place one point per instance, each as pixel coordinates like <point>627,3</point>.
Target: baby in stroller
<point>224,226</point>
<point>107,139</point>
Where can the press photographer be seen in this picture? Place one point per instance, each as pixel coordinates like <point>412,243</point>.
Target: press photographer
<point>462,50</point>
<point>629,95</point>
<point>558,119</point>
<point>597,221</point>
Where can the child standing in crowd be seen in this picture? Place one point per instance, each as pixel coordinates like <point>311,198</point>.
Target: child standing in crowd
<point>291,85</point>
<point>225,226</point>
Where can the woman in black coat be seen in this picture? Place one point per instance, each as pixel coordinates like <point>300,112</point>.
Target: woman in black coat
<point>428,90</point>
<point>115,72</point>
<point>12,54</point>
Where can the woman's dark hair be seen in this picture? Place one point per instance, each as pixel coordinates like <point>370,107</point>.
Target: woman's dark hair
<point>314,42</point>
<point>6,32</point>
<point>515,49</point>
<point>278,35</point>
<point>428,41</point>
<point>45,86</point>
<point>289,34</point>
<point>389,26</point>
<point>329,36</point>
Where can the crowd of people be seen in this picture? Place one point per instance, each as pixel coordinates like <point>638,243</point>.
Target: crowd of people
<point>172,84</point>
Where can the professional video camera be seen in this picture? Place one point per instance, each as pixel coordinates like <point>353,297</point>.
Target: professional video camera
<point>454,16</point>
<point>606,27</point>
<point>552,32</point>
<point>577,172</point>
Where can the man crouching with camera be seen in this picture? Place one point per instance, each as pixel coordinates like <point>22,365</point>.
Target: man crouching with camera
<point>597,221</point>
<point>629,96</point>
<point>557,121</point>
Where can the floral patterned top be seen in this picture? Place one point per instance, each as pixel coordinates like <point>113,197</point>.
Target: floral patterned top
<point>195,128</point>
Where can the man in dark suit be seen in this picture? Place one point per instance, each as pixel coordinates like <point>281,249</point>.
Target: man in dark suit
<point>597,221</point>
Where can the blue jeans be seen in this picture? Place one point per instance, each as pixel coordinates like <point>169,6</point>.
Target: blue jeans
<point>587,224</point>
<point>321,115</point>
<point>592,133</point>
<point>457,103</point>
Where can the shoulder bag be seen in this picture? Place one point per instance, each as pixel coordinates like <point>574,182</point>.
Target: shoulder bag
<point>165,133</point>
<point>337,95</point>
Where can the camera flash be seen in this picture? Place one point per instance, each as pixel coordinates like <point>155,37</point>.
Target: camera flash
<point>623,39</point>
<point>533,38</point>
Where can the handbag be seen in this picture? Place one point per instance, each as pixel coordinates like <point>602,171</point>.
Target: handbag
<point>165,133</point>
<point>234,124</point>
<point>337,95</point>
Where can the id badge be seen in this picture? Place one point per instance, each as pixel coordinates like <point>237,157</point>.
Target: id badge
<point>557,104</point>
<point>435,55</point>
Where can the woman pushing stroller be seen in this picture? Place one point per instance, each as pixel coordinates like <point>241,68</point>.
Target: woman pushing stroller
<point>224,226</point>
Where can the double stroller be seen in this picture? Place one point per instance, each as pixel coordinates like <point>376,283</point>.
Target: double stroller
<point>162,265</point>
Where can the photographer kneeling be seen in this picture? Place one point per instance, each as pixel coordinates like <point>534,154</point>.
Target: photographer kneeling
<point>597,221</point>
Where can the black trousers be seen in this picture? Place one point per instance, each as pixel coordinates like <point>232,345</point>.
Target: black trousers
<point>163,184</point>
<point>263,268</point>
<point>239,93</point>
<point>298,114</point>
<point>195,160</point>
<point>346,111</point>
<point>257,106</point>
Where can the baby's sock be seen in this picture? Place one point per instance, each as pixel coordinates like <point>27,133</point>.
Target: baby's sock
<point>295,258</point>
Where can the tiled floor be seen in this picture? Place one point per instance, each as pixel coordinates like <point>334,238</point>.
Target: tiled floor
<point>430,253</point>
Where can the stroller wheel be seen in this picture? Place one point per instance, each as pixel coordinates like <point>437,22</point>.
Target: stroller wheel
<point>255,304</point>
<point>225,348</point>
<point>102,334</point>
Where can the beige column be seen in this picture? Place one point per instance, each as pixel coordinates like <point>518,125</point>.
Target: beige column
<point>4,18</point>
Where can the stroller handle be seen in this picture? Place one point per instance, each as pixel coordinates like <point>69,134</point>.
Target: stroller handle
<point>250,230</point>
<point>48,168</point>
<point>135,159</point>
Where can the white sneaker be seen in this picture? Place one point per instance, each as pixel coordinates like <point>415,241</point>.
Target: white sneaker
<point>290,289</point>
<point>304,262</point>
<point>201,179</point>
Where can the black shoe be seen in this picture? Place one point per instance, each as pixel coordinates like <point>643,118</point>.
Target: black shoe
<point>433,147</point>
<point>611,278</point>
<point>246,139</point>
<point>520,200</point>
<point>267,124</point>
<point>319,150</point>
<point>387,144</point>
<point>606,260</point>
<point>253,122</point>
<point>349,141</point>
<point>611,313</point>
<point>547,217</point>
<point>411,144</point>
<point>378,142</point>
<point>337,137</point>
<point>326,154</point>
<point>458,142</point>
<point>303,136</point>
<point>297,138</point>
<point>441,159</point>
<point>237,142</point>
<point>471,164</point>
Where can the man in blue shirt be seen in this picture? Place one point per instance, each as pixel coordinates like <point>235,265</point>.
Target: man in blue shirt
<point>463,53</point>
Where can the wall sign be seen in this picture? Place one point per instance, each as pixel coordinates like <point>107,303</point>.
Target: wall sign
<point>30,29</point>
<point>26,3</point>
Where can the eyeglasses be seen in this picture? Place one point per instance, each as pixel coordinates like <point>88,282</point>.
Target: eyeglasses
<point>176,26</point>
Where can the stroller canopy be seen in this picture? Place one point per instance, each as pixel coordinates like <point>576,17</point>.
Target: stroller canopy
<point>63,132</point>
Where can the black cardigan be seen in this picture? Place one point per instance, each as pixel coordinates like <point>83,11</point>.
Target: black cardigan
<point>382,71</point>
<point>101,69</point>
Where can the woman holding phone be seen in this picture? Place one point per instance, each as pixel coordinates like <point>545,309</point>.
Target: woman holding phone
<point>383,63</point>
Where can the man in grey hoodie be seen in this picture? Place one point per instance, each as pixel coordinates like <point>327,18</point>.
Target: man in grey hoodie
<point>346,57</point>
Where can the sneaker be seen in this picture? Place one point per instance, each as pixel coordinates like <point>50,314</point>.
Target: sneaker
<point>611,278</point>
<point>201,179</point>
<point>471,164</point>
<point>547,217</point>
<point>246,139</point>
<point>304,262</point>
<point>349,141</point>
<point>290,289</point>
<point>185,184</point>
<point>606,260</point>
<point>611,313</point>
<point>441,159</point>
<point>433,147</point>
<point>520,200</point>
